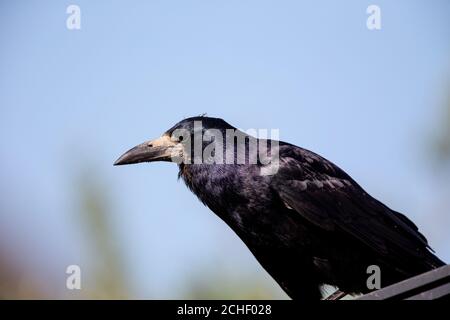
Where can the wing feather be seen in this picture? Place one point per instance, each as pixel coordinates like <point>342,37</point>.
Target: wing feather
<point>327,197</point>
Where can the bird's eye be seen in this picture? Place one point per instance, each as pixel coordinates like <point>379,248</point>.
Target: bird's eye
<point>180,138</point>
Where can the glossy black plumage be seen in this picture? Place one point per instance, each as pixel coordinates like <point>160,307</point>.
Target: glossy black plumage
<point>310,223</point>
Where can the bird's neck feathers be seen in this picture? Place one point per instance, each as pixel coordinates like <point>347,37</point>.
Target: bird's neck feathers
<point>194,175</point>
<point>184,173</point>
<point>207,182</point>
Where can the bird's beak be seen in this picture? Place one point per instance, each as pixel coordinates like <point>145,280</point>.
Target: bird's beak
<point>155,150</point>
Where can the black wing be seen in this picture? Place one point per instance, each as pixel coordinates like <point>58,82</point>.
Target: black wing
<point>330,199</point>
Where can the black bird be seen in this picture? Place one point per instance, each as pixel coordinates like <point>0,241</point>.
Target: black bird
<point>308,223</point>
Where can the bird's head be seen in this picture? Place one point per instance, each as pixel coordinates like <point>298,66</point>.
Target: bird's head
<point>177,144</point>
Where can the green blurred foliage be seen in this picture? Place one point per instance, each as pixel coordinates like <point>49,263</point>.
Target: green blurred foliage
<point>216,283</point>
<point>442,139</point>
<point>106,277</point>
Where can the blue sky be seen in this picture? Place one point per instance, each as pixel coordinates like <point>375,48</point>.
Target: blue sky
<point>74,100</point>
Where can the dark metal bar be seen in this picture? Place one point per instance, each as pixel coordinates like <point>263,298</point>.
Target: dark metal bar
<point>433,284</point>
